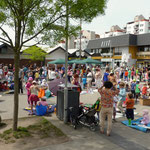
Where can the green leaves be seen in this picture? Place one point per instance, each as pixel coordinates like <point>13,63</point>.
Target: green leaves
<point>3,17</point>
<point>34,53</point>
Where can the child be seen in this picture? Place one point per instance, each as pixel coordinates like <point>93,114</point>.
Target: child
<point>130,108</point>
<point>84,81</point>
<point>33,97</point>
<point>133,85</point>
<point>126,75</point>
<point>144,91</point>
<point>127,87</point>
<point>114,107</point>
<point>137,91</point>
<point>28,85</point>
<point>97,107</point>
<point>146,118</point>
<point>121,97</point>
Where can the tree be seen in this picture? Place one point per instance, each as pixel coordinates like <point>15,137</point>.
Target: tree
<point>41,21</point>
<point>35,53</point>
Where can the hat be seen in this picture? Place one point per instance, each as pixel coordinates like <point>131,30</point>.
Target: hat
<point>34,81</point>
<point>134,80</point>
<point>30,79</point>
<point>44,98</point>
<point>44,81</point>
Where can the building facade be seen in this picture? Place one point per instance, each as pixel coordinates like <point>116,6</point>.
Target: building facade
<point>140,25</point>
<point>130,49</point>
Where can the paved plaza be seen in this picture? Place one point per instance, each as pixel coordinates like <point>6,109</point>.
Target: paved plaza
<point>122,138</point>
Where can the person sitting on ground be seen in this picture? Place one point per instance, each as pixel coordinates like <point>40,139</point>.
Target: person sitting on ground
<point>146,117</point>
<point>130,108</point>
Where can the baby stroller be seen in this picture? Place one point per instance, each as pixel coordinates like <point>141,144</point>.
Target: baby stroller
<point>85,117</point>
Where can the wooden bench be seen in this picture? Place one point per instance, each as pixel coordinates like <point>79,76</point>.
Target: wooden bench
<point>145,102</point>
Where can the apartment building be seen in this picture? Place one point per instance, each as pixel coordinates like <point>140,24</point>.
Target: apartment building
<point>140,25</point>
<point>86,35</point>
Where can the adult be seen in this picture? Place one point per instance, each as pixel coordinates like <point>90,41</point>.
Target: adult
<point>89,80</point>
<point>107,98</point>
<point>5,69</point>
<point>21,76</point>
<point>106,74</point>
<point>1,72</point>
<point>98,78</point>
<point>112,78</point>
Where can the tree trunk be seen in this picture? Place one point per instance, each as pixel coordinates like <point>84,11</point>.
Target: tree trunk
<point>16,89</point>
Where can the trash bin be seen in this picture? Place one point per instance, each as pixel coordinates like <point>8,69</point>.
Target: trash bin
<point>73,101</point>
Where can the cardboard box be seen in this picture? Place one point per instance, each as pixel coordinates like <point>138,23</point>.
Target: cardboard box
<point>145,102</point>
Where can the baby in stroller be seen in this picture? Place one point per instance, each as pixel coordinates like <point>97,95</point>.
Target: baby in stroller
<point>83,116</point>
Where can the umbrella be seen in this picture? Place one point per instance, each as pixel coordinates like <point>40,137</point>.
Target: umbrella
<point>53,85</point>
<point>90,61</point>
<point>75,61</point>
<point>57,61</point>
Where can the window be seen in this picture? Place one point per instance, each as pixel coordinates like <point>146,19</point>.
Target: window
<point>3,50</point>
<point>141,30</point>
<point>141,25</point>
<point>118,51</point>
<point>146,49</point>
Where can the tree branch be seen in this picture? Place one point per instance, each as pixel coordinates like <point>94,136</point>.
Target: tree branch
<point>4,40</point>
<point>5,43</point>
<point>41,30</point>
<point>11,43</point>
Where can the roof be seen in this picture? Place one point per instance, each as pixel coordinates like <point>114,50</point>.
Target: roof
<point>115,41</point>
<point>50,50</point>
<point>143,39</point>
<point>71,51</point>
<point>120,41</point>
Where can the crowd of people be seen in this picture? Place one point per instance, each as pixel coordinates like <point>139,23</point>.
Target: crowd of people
<point>120,87</point>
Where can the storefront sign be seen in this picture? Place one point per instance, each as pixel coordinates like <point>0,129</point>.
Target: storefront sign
<point>106,60</point>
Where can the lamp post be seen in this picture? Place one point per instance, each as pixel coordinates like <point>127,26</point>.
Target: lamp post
<point>80,39</point>
<point>66,66</point>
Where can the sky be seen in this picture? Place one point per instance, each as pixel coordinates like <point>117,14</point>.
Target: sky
<point>118,12</point>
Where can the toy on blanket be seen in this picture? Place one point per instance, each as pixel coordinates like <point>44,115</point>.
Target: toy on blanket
<point>146,117</point>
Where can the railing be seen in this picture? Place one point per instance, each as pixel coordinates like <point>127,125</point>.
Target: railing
<point>143,53</point>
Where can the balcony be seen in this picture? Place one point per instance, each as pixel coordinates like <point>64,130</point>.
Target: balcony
<point>143,54</point>
<point>106,54</point>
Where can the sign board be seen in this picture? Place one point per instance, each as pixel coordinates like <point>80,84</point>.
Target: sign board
<point>106,60</point>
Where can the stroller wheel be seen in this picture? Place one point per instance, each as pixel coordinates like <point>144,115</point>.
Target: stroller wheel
<point>74,124</point>
<point>92,127</point>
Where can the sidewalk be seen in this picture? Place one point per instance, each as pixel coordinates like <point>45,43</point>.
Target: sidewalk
<point>122,138</point>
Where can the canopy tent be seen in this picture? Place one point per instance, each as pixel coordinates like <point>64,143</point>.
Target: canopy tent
<point>75,61</point>
<point>57,61</point>
<point>90,61</point>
